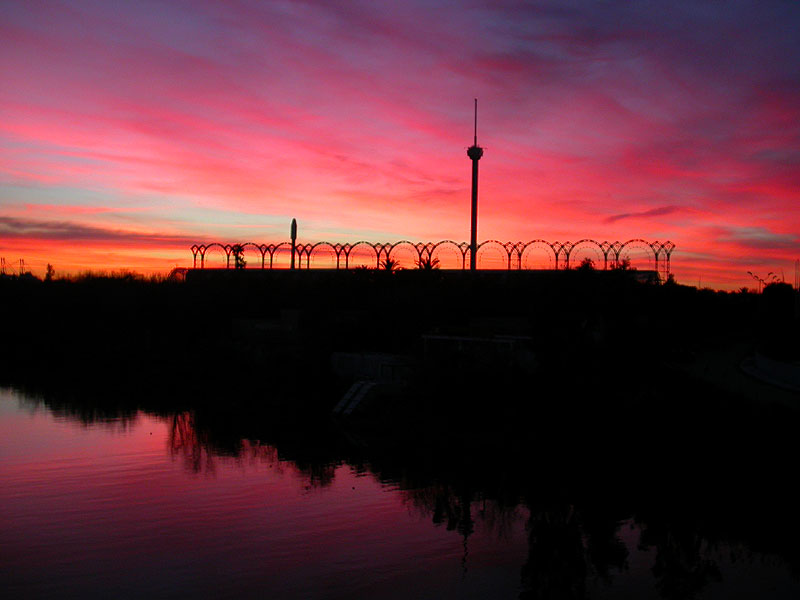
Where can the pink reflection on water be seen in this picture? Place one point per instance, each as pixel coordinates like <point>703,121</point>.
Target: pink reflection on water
<point>120,509</point>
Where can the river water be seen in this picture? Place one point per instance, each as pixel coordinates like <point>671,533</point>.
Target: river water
<point>131,504</point>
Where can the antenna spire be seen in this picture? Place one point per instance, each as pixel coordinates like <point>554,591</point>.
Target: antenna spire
<point>476,122</point>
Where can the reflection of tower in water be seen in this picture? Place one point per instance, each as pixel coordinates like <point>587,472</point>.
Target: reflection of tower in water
<point>475,153</point>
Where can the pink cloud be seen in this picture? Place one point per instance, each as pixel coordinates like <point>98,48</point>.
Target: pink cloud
<point>671,122</point>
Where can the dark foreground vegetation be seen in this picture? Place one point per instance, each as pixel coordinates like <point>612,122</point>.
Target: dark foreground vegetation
<point>270,335</point>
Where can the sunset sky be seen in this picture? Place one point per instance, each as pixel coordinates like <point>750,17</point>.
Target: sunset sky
<point>130,130</point>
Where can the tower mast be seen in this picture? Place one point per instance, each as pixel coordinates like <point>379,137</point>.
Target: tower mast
<point>475,153</point>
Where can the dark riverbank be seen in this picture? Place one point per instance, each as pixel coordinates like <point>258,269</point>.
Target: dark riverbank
<point>271,336</point>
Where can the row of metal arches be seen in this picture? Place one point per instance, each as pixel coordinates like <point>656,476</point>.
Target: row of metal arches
<point>536,253</point>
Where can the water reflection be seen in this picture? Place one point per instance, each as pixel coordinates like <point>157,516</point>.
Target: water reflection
<point>574,544</point>
<point>669,524</point>
<point>199,446</point>
<point>105,412</point>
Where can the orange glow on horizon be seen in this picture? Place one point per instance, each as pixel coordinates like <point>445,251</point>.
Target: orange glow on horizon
<point>222,123</point>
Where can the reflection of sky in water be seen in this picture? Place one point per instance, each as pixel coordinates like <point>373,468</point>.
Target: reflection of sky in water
<point>92,508</point>
<point>140,507</point>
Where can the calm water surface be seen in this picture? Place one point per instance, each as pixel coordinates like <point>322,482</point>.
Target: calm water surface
<point>146,506</point>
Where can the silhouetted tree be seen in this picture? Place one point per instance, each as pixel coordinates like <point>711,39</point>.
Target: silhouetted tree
<point>623,264</point>
<point>390,264</point>
<point>427,263</point>
<point>50,273</point>
<point>587,264</point>
<point>238,256</point>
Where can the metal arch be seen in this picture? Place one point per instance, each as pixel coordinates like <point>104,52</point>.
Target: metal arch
<point>260,247</point>
<point>345,251</point>
<point>660,251</point>
<point>615,248</point>
<point>515,248</point>
<point>415,247</point>
<point>462,247</point>
<point>312,247</point>
<point>272,248</point>
<point>667,248</point>
<point>511,249</point>
<point>382,248</point>
<point>640,240</point>
<point>606,248</point>
<point>339,249</point>
<point>559,248</point>
<point>195,249</point>
<point>352,247</point>
<point>503,245</point>
<point>424,250</point>
<point>201,250</point>
<point>526,245</point>
<point>646,244</point>
<point>587,241</point>
<point>656,248</point>
<point>226,248</point>
<point>301,249</point>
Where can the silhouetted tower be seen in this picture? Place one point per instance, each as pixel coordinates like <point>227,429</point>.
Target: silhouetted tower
<point>474,152</point>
